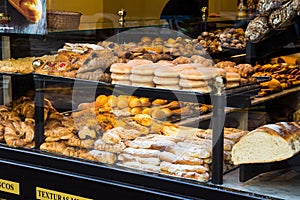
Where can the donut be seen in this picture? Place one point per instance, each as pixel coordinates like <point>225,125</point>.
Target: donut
<point>171,87</point>
<point>166,72</point>
<point>121,68</point>
<point>146,69</point>
<point>165,80</point>
<point>121,82</point>
<point>120,77</point>
<point>136,62</point>
<point>192,83</point>
<point>141,78</point>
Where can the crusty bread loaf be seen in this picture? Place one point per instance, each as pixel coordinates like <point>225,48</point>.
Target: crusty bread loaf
<point>269,143</point>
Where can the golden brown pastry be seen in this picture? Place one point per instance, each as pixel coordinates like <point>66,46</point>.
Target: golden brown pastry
<point>57,147</point>
<point>30,9</point>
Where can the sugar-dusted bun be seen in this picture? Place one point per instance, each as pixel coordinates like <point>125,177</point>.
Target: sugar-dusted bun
<point>165,80</point>
<point>121,82</point>
<point>170,87</point>
<point>204,89</point>
<point>233,76</point>
<point>166,72</point>
<point>138,84</point>
<point>137,62</point>
<point>141,78</point>
<point>121,68</point>
<point>192,83</point>
<point>120,77</point>
<point>146,69</point>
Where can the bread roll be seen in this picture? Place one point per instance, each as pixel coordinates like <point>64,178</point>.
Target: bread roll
<point>120,77</point>
<point>166,72</point>
<point>120,68</point>
<point>137,62</point>
<point>192,83</point>
<point>145,69</point>
<point>141,78</point>
<point>165,80</point>
<point>269,143</point>
<point>120,82</point>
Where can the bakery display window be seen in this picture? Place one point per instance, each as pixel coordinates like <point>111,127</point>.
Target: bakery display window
<point>140,108</point>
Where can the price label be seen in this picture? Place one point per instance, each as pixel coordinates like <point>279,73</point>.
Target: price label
<point>46,194</point>
<point>9,186</point>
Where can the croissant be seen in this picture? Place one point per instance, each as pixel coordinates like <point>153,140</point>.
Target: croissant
<point>57,147</point>
<point>18,134</point>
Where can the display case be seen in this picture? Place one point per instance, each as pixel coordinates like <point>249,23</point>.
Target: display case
<point>138,110</point>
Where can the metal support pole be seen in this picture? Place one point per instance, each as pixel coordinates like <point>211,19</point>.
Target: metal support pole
<point>39,112</point>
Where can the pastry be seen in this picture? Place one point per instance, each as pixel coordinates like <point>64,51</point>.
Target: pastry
<point>166,72</point>
<point>165,80</point>
<point>120,68</point>
<point>30,9</point>
<point>257,29</point>
<point>136,78</point>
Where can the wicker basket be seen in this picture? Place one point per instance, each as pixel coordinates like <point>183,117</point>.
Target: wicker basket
<point>63,20</point>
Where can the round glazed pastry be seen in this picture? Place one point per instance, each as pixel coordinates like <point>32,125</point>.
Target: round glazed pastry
<point>165,80</point>
<point>121,82</point>
<point>170,87</point>
<point>146,69</point>
<point>141,78</point>
<point>137,62</point>
<point>121,68</point>
<point>233,76</point>
<point>120,77</point>
<point>192,83</point>
<point>166,72</point>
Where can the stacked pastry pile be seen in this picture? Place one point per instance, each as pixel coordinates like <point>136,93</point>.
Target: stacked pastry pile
<point>214,41</point>
<point>233,38</point>
<point>283,76</point>
<point>17,122</point>
<point>195,77</point>
<point>231,137</point>
<point>22,65</point>
<point>237,74</point>
<point>274,15</point>
<point>156,49</point>
<point>179,151</point>
<point>142,75</point>
<point>160,109</point>
<point>183,73</point>
<point>143,152</point>
<point>93,59</point>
